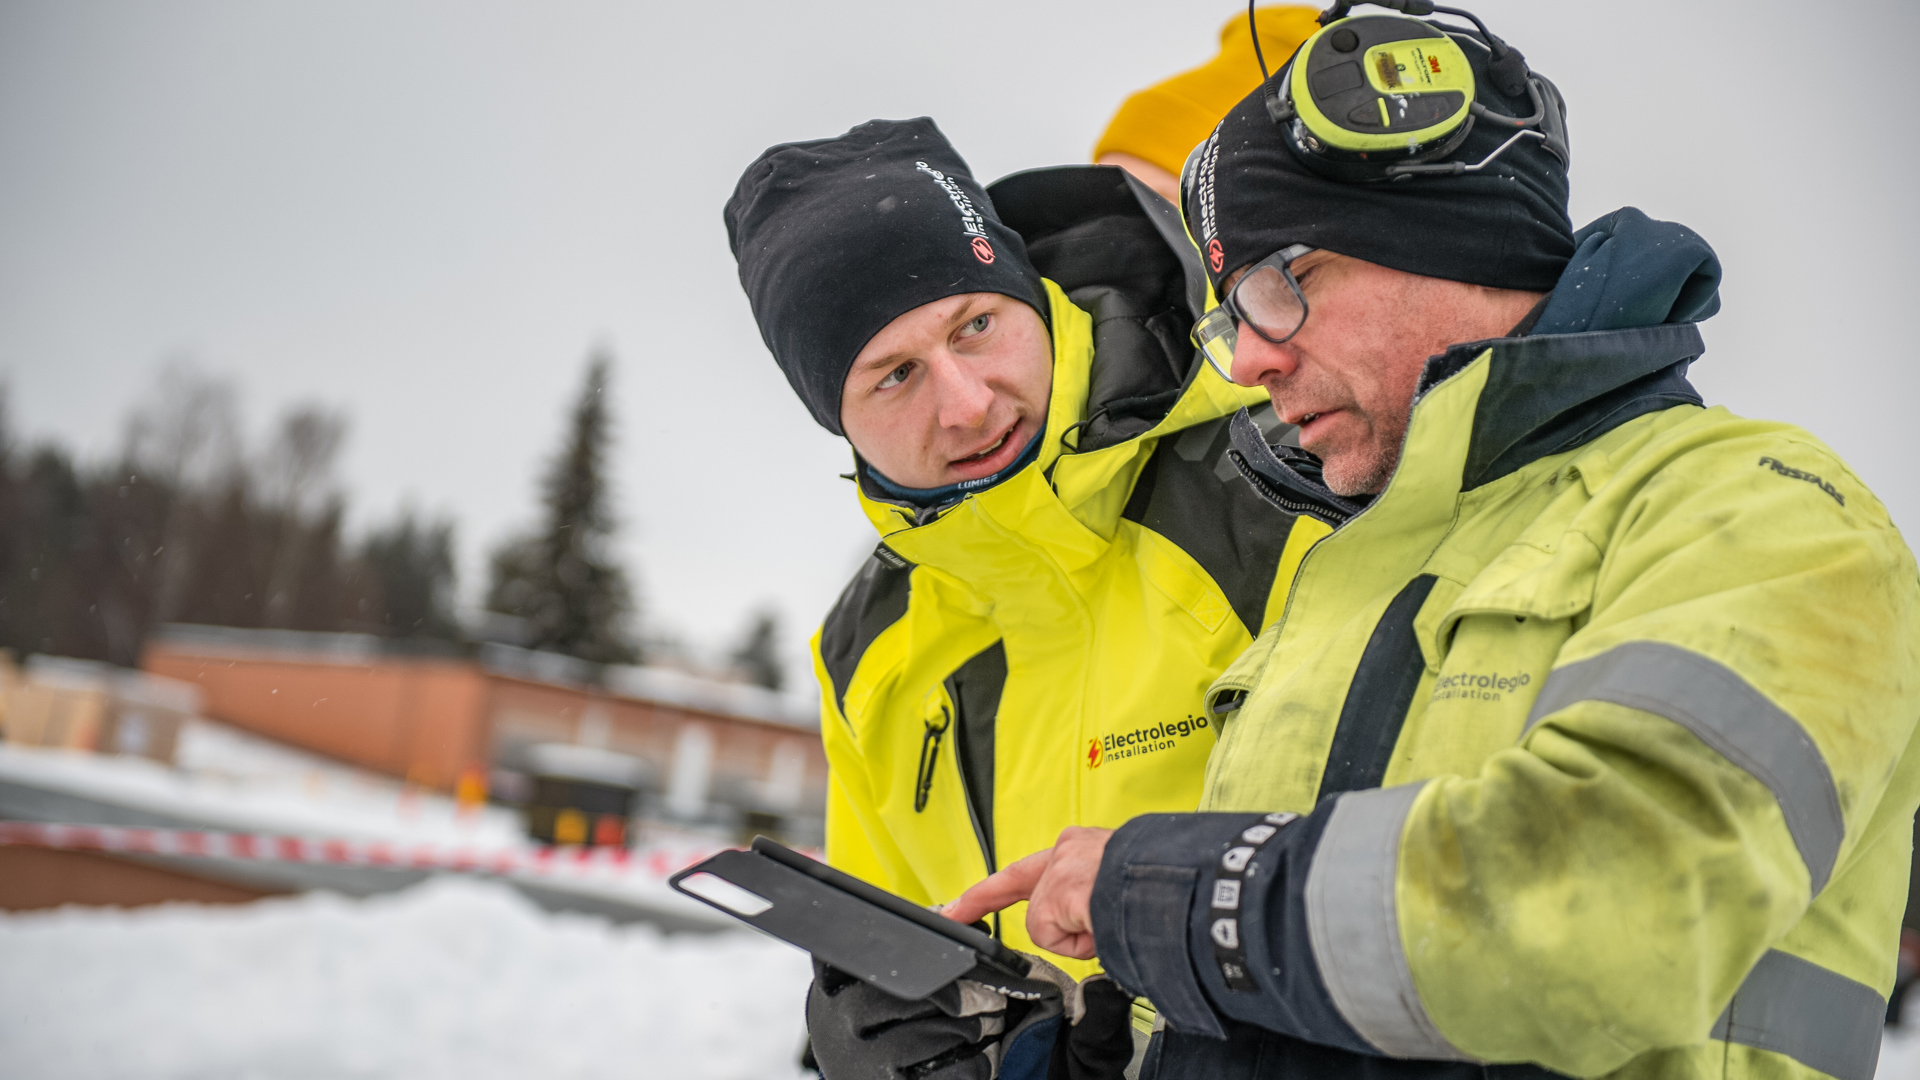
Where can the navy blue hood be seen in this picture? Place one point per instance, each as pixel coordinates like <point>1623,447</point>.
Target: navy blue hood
<point>1629,270</point>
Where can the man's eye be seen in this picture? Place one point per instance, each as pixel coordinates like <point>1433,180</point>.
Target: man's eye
<point>977,326</point>
<point>895,377</point>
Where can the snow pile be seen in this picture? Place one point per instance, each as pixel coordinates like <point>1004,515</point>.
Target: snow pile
<point>1900,1052</point>
<point>456,978</point>
<point>227,779</point>
<point>230,780</point>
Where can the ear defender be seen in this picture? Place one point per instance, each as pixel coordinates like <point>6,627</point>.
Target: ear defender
<point>1387,97</point>
<point>1379,86</point>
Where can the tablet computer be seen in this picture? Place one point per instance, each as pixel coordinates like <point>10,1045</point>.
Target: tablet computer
<point>865,931</point>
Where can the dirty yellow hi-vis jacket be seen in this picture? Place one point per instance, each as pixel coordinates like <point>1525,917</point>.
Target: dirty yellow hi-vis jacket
<point>1034,656</point>
<point>1597,722</point>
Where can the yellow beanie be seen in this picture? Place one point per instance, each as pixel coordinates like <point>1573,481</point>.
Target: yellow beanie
<point>1164,122</point>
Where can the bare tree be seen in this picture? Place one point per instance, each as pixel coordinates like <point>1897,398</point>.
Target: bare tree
<point>296,481</point>
<point>187,432</point>
<point>185,436</point>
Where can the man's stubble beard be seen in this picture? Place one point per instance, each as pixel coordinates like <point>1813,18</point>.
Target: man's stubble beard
<point>1366,471</point>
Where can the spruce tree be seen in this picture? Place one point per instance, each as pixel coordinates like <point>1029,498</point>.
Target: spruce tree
<point>757,658</point>
<point>563,580</point>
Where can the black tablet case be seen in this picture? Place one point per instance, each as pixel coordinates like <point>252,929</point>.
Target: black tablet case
<point>869,933</point>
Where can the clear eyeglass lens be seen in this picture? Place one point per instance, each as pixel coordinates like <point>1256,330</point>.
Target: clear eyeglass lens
<point>1215,336</point>
<point>1266,300</point>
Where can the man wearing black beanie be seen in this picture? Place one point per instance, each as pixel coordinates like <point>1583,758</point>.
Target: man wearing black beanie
<point>1067,559</point>
<point>1583,746</point>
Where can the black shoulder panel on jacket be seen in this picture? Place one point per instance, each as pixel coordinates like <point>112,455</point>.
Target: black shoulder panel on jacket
<point>1191,494</point>
<point>975,688</point>
<point>1121,255</point>
<point>875,599</point>
<point>1378,698</point>
<point>1039,203</point>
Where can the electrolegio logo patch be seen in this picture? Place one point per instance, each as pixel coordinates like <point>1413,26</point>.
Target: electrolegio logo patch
<point>1216,256</point>
<point>1209,157</point>
<point>972,224</point>
<point>1142,741</point>
<point>1479,686</point>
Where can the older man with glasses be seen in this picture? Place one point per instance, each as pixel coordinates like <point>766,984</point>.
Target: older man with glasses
<point>1583,746</point>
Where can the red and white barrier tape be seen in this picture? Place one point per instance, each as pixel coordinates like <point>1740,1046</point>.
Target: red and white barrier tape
<point>657,862</point>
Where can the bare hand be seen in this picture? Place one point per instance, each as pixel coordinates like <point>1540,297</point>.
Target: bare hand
<point>1058,885</point>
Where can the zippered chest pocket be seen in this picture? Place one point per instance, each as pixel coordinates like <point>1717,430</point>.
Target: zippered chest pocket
<point>1489,647</point>
<point>958,721</point>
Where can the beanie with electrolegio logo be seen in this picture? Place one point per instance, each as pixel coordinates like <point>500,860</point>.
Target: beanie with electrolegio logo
<point>1249,193</point>
<point>838,237</point>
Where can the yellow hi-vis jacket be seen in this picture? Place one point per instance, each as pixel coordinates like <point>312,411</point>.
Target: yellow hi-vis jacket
<point>1034,656</point>
<point>1598,719</point>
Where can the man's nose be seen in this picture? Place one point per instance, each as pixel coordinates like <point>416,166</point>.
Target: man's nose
<point>962,398</point>
<point>1257,361</point>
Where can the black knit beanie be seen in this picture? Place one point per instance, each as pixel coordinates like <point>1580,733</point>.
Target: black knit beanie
<point>1249,192</point>
<point>838,237</point>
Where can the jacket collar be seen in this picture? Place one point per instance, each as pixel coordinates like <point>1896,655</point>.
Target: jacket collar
<point>1542,396</point>
<point>1548,394</point>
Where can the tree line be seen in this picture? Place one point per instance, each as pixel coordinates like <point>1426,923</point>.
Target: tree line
<point>186,523</point>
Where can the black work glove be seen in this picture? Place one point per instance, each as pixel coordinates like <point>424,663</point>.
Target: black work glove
<point>967,1030</point>
<point>1097,1044</point>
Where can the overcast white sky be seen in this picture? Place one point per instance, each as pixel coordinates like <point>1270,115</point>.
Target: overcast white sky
<point>426,213</point>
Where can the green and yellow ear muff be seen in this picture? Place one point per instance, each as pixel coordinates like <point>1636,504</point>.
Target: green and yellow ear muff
<point>1381,84</point>
<point>1386,97</point>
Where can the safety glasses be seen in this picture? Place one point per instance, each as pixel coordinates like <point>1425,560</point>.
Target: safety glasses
<point>1266,298</point>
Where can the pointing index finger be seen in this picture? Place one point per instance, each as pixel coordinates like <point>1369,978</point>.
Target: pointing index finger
<point>1010,886</point>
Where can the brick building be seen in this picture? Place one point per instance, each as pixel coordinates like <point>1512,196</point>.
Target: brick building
<point>701,752</point>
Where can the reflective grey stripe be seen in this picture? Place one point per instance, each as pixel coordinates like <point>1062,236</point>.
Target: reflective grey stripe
<point>1355,930</point>
<point>1820,1019</point>
<point>1724,711</point>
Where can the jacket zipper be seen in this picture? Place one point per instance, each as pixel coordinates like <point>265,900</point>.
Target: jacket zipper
<point>1268,491</point>
<point>930,756</point>
<point>980,835</point>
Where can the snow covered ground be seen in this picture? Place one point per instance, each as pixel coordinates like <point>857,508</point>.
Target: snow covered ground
<point>456,978</point>
<point>1900,1053</point>
<point>227,779</point>
<point>230,779</point>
